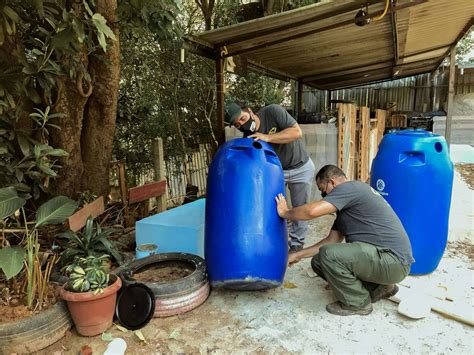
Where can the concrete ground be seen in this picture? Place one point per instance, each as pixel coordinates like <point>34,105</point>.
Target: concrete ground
<point>294,320</point>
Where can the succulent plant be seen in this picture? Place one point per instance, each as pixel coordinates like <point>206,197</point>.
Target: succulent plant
<point>88,274</point>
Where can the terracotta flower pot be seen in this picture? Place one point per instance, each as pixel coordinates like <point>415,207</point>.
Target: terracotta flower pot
<point>92,314</point>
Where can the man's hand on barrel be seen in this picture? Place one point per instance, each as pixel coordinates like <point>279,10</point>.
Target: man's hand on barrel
<point>282,207</point>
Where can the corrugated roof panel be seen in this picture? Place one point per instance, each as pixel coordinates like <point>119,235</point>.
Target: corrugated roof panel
<point>321,45</point>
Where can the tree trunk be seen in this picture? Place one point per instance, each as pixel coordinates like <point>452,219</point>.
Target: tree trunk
<point>88,126</point>
<point>101,110</point>
<point>71,104</point>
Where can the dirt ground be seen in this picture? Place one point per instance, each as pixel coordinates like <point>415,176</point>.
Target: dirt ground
<point>467,173</point>
<point>294,320</point>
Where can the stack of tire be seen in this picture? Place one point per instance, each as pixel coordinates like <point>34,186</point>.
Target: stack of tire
<point>172,297</point>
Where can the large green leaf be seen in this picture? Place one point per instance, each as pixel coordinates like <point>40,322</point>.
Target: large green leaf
<point>11,260</point>
<point>9,202</point>
<point>56,210</point>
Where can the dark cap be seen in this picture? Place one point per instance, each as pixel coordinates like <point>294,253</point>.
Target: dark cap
<point>232,111</point>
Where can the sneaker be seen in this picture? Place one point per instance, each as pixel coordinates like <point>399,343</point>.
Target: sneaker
<point>340,309</point>
<point>383,291</point>
<point>295,248</point>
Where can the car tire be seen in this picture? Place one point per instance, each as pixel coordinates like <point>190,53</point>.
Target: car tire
<point>37,331</point>
<point>174,297</point>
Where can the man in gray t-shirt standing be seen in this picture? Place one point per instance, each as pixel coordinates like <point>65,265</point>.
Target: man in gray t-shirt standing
<point>377,253</point>
<point>275,125</point>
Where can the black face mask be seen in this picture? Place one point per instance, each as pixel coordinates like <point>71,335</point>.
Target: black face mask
<point>248,127</point>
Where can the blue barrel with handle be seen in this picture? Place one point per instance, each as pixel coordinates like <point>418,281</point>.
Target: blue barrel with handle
<point>414,173</point>
<point>245,241</point>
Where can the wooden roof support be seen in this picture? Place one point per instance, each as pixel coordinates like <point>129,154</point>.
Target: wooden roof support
<point>449,117</point>
<point>393,20</point>
<point>318,30</point>
<point>220,134</point>
<point>299,102</point>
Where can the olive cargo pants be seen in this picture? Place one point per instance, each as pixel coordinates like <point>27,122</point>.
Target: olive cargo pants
<point>353,270</point>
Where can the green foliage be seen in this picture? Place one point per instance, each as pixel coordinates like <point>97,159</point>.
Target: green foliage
<point>9,202</point>
<point>11,260</point>
<point>92,241</point>
<point>55,211</point>
<point>26,162</point>
<point>88,274</point>
<point>257,91</point>
<point>144,17</point>
<point>161,97</point>
<point>465,49</point>
<point>40,42</point>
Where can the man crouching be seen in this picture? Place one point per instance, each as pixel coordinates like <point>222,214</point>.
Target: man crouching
<point>377,253</point>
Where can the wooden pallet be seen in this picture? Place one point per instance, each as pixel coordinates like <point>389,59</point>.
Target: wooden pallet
<point>363,144</point>
<point>347,138</point>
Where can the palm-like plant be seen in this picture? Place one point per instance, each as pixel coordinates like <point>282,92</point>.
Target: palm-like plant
<point>92,241</point>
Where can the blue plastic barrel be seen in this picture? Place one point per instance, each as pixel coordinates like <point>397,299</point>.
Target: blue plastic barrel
<point>414,173</point>
<point>245,241</point>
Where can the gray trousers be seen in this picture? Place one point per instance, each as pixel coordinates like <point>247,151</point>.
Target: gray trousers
<point>299,183</point>
<point>354,270</point>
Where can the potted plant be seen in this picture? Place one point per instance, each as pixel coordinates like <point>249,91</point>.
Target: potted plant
<point>91,241</point>
<point>91,294</point>
<point>25,271</point>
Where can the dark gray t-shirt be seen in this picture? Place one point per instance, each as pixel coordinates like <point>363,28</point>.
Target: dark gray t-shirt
<point>273,119</point>
<point>364,216</point>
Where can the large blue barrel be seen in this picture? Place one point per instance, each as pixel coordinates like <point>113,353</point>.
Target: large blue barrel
<point>245,241</point>
<point>414,173</point>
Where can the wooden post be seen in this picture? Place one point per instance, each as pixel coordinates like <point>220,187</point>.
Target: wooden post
<point>380,116</point>
<point>346,138</point>
<point>352,147</point>
<point>160,172</point>
<point>341,117</point>
<point>124,192</point>
<point>299,104</point>
<point>363,144</point>
<point>220,98</point>
<point>449,117</point>
<point>328,102</point>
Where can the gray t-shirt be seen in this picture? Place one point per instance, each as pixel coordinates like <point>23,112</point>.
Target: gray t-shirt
<point>364,216</point>
<point>273,119</point>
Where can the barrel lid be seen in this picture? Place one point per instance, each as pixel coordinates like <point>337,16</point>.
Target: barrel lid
<point>135,306</point>
<point>414,133</point>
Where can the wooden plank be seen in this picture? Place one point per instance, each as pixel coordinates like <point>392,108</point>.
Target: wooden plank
<point>78,219</point>
<point>373,146</point>
<point>352,146</point>
<point>381,116</point>
<point>147,191</point>
<point>462,312</point>
<point>363,144</point>
<point>340,135</point>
